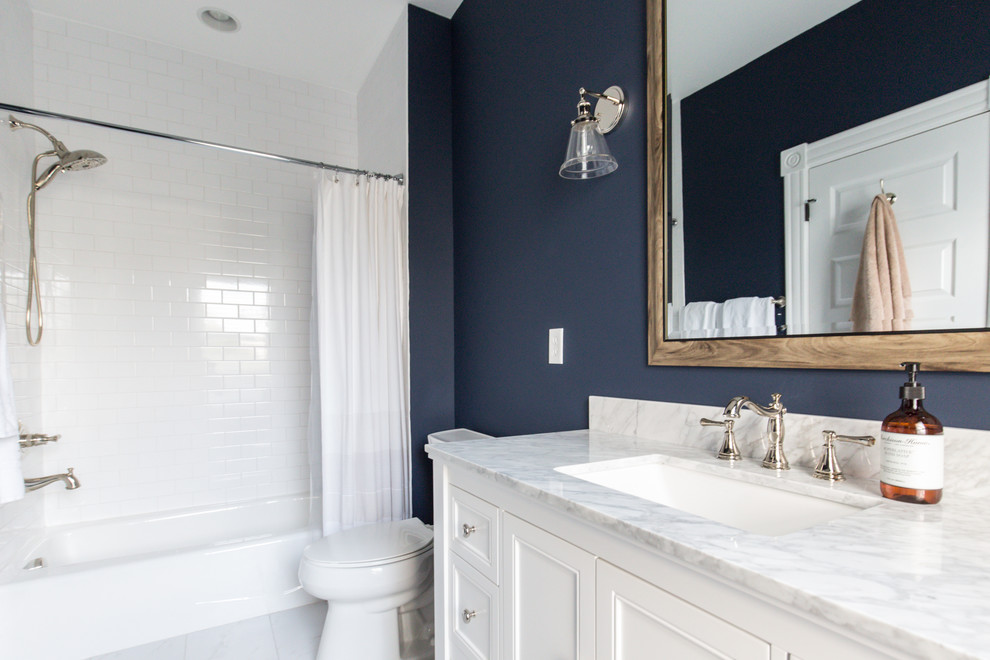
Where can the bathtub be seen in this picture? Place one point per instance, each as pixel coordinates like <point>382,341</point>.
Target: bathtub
<point>114,584</point>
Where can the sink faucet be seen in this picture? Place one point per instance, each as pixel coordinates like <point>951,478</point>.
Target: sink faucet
<point>775,459</point>
<point>71,483</point>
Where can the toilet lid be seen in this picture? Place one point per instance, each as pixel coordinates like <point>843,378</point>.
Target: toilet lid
<point>375,543</point>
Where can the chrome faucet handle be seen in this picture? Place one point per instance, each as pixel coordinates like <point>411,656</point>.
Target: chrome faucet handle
<point>728,451</point>
<point>828,465</point>
<point>775,459</point>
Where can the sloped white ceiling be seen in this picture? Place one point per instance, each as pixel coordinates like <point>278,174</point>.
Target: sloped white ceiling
<point>445,8</point>
<point>708,39</point>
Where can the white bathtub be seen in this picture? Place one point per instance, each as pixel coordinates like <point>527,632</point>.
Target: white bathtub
<point>114,584</point>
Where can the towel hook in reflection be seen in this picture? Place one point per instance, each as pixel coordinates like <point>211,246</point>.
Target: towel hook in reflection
<point>891,197</point>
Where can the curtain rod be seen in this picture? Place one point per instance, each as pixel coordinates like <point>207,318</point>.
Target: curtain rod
<point>202,143</point>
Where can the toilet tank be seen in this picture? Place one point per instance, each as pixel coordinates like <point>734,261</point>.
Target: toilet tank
<point>455,435</point>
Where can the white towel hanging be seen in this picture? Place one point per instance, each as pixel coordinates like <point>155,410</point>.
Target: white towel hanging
<point>701,319</point>
<point>11,478</point>
<point>748,317</point>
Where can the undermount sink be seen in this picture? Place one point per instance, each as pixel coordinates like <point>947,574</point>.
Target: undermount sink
<point>762,508</point>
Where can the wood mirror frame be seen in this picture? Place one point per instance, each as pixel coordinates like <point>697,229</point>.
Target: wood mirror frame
<point>943,351</point>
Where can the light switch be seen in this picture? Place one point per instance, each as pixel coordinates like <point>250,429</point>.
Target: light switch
<point>556,346</point>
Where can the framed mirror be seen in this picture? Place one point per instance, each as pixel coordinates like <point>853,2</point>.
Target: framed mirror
<point>779,198</point>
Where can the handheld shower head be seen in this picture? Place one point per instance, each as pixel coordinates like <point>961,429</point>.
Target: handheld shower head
<point>68,161</point>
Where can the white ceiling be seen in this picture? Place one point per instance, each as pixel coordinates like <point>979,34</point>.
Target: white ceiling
<point>708,39</point>
<point>328,42</point>
<point>335,42</point>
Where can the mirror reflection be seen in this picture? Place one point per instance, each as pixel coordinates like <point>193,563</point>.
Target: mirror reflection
<point>791,126</point>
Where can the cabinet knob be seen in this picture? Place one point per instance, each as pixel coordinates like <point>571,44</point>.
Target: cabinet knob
<point>468,615</point>
<point>468,530</point>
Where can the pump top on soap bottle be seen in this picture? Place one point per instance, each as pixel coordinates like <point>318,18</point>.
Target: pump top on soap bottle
<point>912,445</point>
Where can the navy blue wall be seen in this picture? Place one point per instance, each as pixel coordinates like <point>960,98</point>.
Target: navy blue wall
<point>533,251</point>
<point>875,58</point>
<point>431,251</point>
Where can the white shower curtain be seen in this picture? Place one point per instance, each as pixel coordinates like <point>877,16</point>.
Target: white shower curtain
<point>361,305</point>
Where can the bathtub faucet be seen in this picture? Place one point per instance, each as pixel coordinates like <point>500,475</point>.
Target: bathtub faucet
<point>71,483</point>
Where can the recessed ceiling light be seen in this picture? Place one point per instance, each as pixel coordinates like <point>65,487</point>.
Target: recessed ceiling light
<point>218,19</point>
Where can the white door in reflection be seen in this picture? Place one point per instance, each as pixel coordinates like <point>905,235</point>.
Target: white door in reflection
<point>942,181</point>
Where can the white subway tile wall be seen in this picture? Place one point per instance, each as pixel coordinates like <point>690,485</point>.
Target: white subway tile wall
<point>176,278</point>
<point>15,162</point>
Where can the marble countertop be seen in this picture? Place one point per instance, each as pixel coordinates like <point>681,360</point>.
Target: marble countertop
<point>913,578</point>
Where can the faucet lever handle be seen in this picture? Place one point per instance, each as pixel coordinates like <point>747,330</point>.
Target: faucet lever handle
<point>728,451</point>
<point>828,465</point>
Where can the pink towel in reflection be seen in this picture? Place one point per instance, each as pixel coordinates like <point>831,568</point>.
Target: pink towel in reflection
<point>882,298</point>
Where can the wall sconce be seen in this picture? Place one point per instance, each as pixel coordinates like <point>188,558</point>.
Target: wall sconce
<point>587,153</point>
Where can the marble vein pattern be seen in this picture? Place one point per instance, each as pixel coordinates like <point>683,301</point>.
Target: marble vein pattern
<point>911,578</point>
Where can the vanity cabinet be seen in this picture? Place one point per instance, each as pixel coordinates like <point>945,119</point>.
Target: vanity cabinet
<point>523,580</point>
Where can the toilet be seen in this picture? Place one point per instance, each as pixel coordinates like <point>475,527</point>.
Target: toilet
<point>377,580</point>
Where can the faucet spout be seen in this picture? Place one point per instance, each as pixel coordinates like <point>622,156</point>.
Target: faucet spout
<point>68,478</point>
<point>773,410</point>
<point>733,408</point>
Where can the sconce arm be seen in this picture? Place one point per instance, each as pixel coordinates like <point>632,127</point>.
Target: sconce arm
<point>599,95</point>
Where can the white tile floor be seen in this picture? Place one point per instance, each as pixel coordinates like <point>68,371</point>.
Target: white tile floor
<point>289,635</point>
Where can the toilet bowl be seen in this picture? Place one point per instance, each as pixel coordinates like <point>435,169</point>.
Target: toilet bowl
<point>371,576</point>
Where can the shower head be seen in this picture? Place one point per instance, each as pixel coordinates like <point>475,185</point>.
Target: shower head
<point>68,161</point>
<point>83,159</point>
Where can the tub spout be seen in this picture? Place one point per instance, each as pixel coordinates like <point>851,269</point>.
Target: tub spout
<point>70,480</point>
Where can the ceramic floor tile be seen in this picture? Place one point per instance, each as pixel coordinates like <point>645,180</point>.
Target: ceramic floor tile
<point>167,649</point>
<point>251,638</point>
<point>297,631</point>
<point>301,649</point>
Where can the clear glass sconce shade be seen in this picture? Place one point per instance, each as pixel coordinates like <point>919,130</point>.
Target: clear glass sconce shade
<point>587,153</point>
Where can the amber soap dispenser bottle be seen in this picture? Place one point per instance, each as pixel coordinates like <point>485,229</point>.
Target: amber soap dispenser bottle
<point>912,444</point>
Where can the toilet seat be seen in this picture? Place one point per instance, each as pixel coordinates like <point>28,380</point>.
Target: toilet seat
<point>370,545</point>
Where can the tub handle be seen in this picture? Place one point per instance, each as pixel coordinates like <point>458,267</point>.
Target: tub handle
<point>468,615</point>
<point>468,530</point>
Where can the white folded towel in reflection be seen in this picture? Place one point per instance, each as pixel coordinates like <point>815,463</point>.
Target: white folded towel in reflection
<point>11,479</point>
<point>700,319</point>
<point>748,317</point>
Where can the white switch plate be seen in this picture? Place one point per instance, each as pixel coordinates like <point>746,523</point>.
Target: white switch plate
<point>556,346</point>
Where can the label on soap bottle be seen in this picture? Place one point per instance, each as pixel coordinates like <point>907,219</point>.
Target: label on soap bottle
<point>912,461</point>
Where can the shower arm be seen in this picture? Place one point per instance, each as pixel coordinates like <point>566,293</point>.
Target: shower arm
<point>60,149</point>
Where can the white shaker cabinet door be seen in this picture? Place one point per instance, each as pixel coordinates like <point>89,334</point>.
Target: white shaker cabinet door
<point>548,592</point>
<point>640,621</point>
